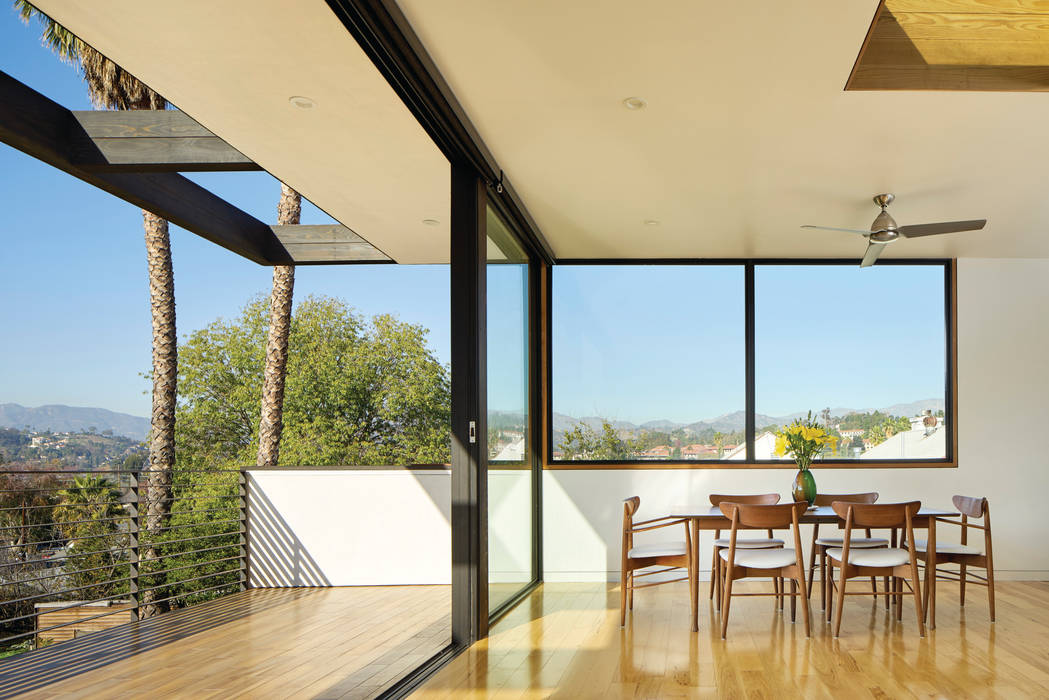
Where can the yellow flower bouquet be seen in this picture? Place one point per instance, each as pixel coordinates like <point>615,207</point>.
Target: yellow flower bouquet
<point>804,440</point>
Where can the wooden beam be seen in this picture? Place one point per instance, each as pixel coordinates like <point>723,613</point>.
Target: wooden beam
<point>151,141</point>
<point>326,243</point>
<point>42,128</point>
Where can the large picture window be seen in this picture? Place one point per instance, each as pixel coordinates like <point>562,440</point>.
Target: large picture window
<point>654,362</point>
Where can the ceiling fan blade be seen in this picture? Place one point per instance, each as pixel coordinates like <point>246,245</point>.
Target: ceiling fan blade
<point>834,228</point>
<point>942,227</point>
<point>873,251</point>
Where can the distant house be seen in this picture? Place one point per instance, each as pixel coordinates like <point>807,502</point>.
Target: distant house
<point>850,433</point>
<point>661,452</point>
<point>699,451</point>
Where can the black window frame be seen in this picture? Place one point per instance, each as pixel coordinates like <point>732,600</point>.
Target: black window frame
<point>749,265</point>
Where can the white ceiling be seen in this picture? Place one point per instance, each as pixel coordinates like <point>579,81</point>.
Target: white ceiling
<point>232,65</point>
<point>747,134</point>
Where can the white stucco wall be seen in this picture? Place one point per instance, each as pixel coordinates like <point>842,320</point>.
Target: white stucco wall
<point>349,527</point>
<point>1003,375</point>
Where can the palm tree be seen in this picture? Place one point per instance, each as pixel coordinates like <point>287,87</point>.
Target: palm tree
<point>271,423</point>
<point>111,87</point>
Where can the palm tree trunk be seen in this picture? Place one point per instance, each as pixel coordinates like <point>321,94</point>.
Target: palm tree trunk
<point>165,373</point>
<point>271,422</point>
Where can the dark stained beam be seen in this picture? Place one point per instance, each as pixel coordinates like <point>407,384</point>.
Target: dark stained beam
<point>40,127</point>
<point>327,243</point>
<point>151,141</point>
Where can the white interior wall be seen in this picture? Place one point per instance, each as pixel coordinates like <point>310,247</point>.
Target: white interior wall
<point>1003,377</point>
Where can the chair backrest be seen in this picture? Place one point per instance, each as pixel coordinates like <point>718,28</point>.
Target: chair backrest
<point>825,499</point>
<point>970,506</point>
<point>630,507</point>
<point>763,499</point>
<point>762,516</point>
<point>879,515</point>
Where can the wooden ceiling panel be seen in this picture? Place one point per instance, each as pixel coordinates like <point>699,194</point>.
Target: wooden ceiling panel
<point>979,45</point>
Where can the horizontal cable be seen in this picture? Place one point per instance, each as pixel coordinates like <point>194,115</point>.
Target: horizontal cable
<point>127,472</point>
<point>196,565</point>
<point>143,516</point>
<point>185,525</point>
<point>73,522</point>
<point>199,590</point>
<point>77,604</point>
<point>65,557</point>
<point>141,487</point>
<point>199,537</point>
<point>62,505</point>
<point>65,540</point>
<point>188,580</point>
<point>145,501</point>
<point>126,611</point>
<point>173,555</point>
<point>75,572</point>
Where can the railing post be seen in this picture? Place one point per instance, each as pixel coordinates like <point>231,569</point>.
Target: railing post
<point>242,536</point>
<point>133,530</point>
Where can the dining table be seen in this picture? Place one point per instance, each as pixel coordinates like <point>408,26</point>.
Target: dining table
<point>708,517</point>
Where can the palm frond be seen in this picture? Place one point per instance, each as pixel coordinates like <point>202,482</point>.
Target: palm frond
<point>108,85</point>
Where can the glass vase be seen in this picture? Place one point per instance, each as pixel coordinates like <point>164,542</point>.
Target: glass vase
<point>804,486</point>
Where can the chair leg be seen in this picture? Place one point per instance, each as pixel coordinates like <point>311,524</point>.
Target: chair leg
<point>805,612</point>
<point>793,598</point>
<point>829,608</point>
<point>887,596</point>
<point>990,586</point>
<point>630,594</point>
<point>874,588</point>
<point>961,586</point>
<point>918,599</point>
<point>714,573</point>
<point>726,602</point>
<point>624,582</point>
<point>840,605</point>
<point>812,558</point>
<point>823,579</point>
<point>897,584</point>
<point>719,577</point>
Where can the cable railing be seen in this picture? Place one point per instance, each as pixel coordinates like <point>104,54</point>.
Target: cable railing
<point>84,550</point>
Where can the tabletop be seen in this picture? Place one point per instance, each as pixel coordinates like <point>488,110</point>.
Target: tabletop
<point>817,514</point>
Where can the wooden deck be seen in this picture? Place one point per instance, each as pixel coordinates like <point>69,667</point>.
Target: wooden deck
<point>565,641</point>
<point>348,642</point>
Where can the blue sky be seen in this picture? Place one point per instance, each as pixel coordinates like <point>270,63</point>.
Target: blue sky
<point>75,306</point>
<point>666,342</point>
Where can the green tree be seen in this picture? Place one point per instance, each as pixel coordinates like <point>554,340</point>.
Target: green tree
<point>583,442</point>
<point>89,514</point>
<point>357,391</point>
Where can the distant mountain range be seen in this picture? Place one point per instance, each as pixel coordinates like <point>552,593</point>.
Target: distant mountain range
<point>731,422</point>
<point>73,419</point>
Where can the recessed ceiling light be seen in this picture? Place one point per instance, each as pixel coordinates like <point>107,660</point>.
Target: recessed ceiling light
<point>431,222</point>
<point>301,102</point>
<point>651,222</point>
<point>634,103</point>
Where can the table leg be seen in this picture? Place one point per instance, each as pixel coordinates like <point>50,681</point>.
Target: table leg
<point>693,523</point>
<point>930,562</point>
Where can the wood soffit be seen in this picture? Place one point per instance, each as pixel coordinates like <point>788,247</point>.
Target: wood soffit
<point>961,45</point>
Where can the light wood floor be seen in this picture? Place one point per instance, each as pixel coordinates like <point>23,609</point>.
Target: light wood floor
<point>565,642</point>
<point>346,642</point>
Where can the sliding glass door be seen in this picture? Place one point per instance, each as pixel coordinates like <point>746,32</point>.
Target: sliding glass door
<point>510,459</point>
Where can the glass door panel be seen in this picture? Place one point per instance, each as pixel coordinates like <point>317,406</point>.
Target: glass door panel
<point>509,421</point>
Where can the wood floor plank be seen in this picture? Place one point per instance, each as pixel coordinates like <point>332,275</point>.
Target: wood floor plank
<point>571,646</point>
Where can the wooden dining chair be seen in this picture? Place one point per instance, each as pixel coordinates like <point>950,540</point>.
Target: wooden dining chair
<point>900,564</point>
<point>820,545</point>
<point>676,554</point>
<point>778,563</point>
<point>964,554</point>
<point>720,543</point>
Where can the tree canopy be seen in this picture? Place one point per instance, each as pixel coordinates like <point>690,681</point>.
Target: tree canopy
<point>359,391</point>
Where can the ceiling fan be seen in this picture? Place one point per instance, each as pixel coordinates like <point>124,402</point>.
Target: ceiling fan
<point>884,229</point>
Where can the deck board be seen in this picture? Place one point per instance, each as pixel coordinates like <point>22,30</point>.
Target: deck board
<point>341,642</point>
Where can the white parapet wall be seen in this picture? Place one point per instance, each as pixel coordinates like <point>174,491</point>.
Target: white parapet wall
<point>349,527</point>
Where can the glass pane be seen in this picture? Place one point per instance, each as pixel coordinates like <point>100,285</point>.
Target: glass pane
<point>648,362</point>
<point>863,349</point>
<point>509,455</point>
